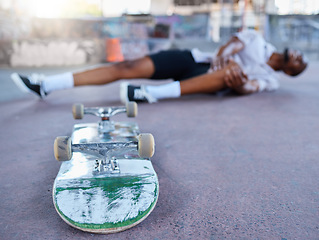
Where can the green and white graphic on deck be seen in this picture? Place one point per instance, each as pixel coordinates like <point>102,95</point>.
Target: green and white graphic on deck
<point>101,201</point>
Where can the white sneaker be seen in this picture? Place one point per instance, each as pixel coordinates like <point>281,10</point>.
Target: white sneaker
<point>31,84</point>
<point>133,93</point>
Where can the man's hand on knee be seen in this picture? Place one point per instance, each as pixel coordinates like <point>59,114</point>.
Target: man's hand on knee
<point>237,80</point>
<point>234,77</point>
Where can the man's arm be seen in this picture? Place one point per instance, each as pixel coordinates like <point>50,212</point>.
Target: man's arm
<point>233,46</point>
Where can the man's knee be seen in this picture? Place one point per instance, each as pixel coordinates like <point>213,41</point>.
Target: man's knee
<point>142,67</point>
<point>134,64</point>
<point>126,65</point>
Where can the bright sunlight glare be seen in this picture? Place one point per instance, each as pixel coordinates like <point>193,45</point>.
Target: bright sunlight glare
<point>56,8</point>
<point>46,8</point>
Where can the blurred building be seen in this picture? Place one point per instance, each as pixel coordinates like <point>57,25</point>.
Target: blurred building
<point>70,32</point>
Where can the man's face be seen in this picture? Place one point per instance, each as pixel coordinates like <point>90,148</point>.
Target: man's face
<point>295,63</point>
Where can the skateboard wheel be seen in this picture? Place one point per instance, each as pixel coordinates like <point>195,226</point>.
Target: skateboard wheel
<point>131,109</point>
<point>78,111</point>
<point>146,145</point>
<point>62,148</point>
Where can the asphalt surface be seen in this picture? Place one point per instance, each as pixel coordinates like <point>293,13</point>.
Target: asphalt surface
<point>229,167</point>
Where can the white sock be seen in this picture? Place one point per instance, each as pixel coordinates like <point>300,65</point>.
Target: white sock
<point>170,90</point>
<point>58,82</point>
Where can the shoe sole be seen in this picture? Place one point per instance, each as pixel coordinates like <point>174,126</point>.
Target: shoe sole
<point>18,81</point>
<point>123,92</point>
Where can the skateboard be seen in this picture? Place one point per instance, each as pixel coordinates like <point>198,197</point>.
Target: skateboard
<point>106,182</point>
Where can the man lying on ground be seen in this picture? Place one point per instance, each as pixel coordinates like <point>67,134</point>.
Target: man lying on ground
<point>246,64</point>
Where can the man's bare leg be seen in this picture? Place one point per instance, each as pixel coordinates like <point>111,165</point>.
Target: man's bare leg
<point>206,83</point>
<point>139,68</point>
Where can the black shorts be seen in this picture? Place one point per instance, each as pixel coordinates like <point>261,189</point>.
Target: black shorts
<point>176,64</point>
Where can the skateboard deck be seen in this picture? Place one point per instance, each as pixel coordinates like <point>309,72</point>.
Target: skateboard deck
<point>105,184</point>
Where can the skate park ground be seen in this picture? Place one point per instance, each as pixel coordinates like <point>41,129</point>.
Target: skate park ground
<point>229,167</point>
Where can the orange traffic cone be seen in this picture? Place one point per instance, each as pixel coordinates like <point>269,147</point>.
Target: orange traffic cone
<point>113,50</point>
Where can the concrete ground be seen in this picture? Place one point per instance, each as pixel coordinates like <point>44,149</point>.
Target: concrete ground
<point>229,167</point>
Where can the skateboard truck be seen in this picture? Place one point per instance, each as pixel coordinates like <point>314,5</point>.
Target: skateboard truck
<point>105,113</point>
<point>64,148</point>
